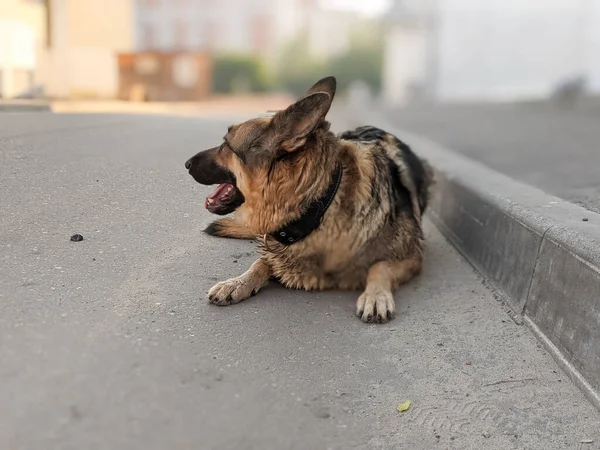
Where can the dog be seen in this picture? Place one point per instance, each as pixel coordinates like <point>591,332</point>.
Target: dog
<point>328,211</point>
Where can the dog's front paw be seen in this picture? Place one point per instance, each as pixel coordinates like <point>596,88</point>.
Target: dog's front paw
<point>376,306</point>
<point>231,292</point>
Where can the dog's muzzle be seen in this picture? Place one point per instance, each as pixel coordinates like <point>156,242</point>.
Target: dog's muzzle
<point>226,198</point>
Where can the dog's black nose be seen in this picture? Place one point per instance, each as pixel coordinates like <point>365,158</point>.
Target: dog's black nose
<point>188,164</point>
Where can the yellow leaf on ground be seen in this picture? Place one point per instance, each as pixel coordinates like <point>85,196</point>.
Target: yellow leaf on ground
<point>403,406</point>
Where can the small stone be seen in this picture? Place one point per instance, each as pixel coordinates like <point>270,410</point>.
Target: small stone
<point>321,413</point>
<point>587,441</point>
<point>77,238</point>
<point>585,219</point>
<point>75,412</point>
<point>468,363</point>
<point>487,434</point>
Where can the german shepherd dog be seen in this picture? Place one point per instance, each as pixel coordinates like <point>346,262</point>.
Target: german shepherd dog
<point>328,212</point>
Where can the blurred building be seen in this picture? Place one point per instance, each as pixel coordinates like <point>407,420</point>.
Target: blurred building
<point>197,25</point>
<point>84,37</point>
<point>22,36</point>
<point>70,48</point>
<point>497,50</point>
<point>329,31</point>
<point>258,27</point>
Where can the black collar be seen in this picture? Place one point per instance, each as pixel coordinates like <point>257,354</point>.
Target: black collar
<point>311,219</point>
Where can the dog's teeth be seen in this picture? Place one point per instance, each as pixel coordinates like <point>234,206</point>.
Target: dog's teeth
<point>210,201</point>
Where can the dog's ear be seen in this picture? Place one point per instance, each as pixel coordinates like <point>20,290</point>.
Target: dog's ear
<point>327,85</point>
<point>299,120</point>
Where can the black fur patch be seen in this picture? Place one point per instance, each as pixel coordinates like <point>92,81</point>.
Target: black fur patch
<point>214,229</point>
<point>399,195</point>
<point>366,133</point>
<point>417,171</point>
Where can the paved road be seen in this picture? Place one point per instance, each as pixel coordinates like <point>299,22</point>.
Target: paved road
<point>109,343</point>
<point>554,149</point>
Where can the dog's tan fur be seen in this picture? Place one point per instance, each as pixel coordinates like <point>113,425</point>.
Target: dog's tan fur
<point>359,244</point>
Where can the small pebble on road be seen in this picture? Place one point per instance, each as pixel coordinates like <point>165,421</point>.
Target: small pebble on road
<point>77,238</point>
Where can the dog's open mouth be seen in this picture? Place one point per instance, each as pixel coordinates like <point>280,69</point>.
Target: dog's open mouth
<point>220,196</point>
<point>224,199</point>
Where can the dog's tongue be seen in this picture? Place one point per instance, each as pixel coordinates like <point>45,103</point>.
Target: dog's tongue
<point>219,194</point>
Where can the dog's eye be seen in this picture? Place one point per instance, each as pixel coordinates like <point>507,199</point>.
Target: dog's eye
<point>238,155</point>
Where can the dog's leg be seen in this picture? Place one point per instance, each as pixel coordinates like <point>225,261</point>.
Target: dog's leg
<point>376,304</point>
<point>240,288</point>
<point>229,227</point>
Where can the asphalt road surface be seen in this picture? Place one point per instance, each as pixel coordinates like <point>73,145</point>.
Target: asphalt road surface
<point>109,343</point>
<point>556,150</point>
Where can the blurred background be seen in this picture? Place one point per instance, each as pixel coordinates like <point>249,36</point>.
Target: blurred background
<point>184,50</point>
<point>401,52</point>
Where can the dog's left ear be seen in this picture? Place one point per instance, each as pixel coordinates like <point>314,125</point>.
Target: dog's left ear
<point>299,120</point>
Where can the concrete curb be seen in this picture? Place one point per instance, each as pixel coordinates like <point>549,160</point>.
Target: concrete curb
<point>24,106</point>
<point>542,252</point>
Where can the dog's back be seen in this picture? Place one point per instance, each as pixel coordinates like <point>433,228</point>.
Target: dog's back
<point>414,174</point>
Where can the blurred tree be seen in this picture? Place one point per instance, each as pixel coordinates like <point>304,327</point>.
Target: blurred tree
<point>239,73</point>
<point>298,69</point>
<point>363,61</point>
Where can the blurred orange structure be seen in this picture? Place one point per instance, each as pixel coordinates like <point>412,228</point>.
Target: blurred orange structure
<point>164,76</point>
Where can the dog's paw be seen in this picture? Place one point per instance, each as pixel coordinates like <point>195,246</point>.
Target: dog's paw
<point>231,292</point>
<point>376,306</point>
